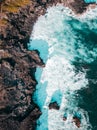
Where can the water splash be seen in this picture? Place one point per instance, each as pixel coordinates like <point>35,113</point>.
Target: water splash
<point>70,40</point>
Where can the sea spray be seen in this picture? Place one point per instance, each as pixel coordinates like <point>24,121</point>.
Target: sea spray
<point>69,40</point>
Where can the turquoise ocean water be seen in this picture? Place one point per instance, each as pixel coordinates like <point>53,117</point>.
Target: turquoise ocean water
<point>90,1</point>
<point>68,46</point>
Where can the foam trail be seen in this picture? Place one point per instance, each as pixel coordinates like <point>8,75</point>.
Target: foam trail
<point>69,40</point>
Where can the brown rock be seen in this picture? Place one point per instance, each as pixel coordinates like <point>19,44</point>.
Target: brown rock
<point>54,105</point>
<point>77,121</point>
<point>64,118</point>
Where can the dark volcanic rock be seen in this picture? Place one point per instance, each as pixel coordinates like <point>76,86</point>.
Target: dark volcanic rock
<point>77,121</point>
<point>28,123</point>
<point>78,6</point>
<point>17,84</point>
<point>54,105</point>
<point>17,71</point>
<point>17,74</point>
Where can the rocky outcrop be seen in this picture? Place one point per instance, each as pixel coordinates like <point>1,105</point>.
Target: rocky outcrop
<point>54,105</point>
<point>77,121</point>
<point>17,84</point>
<point>18,65</point>
<point>17,71</point>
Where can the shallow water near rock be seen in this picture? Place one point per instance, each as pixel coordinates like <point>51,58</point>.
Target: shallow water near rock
<point>68,46</point>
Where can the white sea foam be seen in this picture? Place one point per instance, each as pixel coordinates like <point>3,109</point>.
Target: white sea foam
<point>58,81</point>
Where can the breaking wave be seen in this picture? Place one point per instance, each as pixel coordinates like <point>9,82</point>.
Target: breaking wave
<point>68,45</point>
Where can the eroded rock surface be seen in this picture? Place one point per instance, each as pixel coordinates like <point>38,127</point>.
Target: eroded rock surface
<point>17,84</point>
<point>54,105</point>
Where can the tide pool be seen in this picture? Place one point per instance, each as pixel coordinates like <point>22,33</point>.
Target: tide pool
<point>68,45</point>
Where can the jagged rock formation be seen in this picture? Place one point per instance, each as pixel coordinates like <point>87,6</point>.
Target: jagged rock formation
<point>18,65</point>
<point>54,105</point>
<point>17,84</point>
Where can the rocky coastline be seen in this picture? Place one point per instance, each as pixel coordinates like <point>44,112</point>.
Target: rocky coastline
<point>18,65</point>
